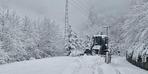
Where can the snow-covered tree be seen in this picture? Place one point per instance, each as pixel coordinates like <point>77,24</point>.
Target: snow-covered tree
<point>22,38</point>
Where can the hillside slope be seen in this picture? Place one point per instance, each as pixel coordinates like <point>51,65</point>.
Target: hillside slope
<point>135,29</point>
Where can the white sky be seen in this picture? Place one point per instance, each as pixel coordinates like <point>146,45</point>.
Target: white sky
<point>54,9</point>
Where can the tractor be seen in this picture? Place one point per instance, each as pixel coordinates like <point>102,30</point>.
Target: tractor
<point>100,45</point>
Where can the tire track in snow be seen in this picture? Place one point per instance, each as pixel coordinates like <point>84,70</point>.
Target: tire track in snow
<point>109,69</point>
<point>89,65</point>
<point>98,70</point>
<point>117,71</point>
<point>85,65</point>
<point>76,71</point>
<point>72,68</point>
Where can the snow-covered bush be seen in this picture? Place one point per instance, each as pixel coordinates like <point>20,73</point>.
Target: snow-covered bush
<point>4,58</point>
<point>76,53</point>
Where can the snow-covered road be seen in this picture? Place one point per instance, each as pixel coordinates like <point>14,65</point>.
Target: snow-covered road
<point>72,65</point>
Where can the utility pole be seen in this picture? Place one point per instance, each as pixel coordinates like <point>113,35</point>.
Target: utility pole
<point>108,53</point>
<point>66,14</point>
<point>67,26</point>
<point>107,33</point>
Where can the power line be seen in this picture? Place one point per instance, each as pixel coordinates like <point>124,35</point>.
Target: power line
<point>77,2</point>
<point>81,9</point>
<point>83,12</point>
<point>83,3</point>
<point>80,5</point>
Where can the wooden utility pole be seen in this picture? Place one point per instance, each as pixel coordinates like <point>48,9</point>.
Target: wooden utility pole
<point>107,33</point>
<point>67,26</point>
<point>66,14</point>
<point>108,53</point>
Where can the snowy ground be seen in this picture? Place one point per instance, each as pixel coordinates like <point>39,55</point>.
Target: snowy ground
<point>72,65</point>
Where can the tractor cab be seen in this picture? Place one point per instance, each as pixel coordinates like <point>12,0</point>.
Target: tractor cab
<point>100,44</point>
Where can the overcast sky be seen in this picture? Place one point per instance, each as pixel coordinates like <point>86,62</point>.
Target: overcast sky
<point>54,9</point>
